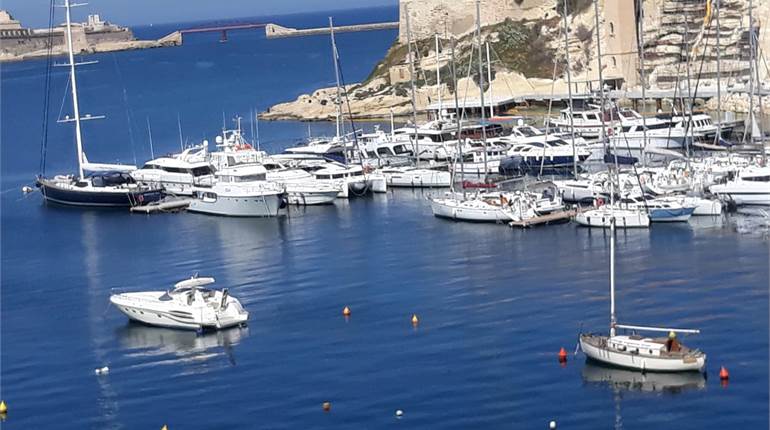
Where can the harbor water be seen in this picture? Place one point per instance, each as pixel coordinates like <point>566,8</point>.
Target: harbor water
<point>494,304</point>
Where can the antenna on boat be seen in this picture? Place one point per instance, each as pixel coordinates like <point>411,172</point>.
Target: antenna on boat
<point>438,78</point>
<point>256,119</point>
<point>337,77</point>
<point>149,134</point>
<point>179,126</point>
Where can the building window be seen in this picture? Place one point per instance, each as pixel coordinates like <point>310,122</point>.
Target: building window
<point>612,29</point>
<point>614,62</point>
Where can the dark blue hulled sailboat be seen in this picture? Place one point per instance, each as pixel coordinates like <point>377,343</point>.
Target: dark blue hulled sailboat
<point>108,185</point>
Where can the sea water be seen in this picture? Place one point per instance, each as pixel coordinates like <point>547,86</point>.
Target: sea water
<point>494,304</point>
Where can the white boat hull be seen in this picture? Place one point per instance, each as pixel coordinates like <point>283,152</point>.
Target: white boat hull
<point>419,178</point>
<point>266,205</point>
<point>744,193</point>
<point>147,312</point>
<point>465,211</point>
<point>623,219</point>
<point>640,362</point>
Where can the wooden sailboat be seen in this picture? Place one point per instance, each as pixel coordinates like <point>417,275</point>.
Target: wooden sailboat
<point>637,352</point>
<point>112,186</point>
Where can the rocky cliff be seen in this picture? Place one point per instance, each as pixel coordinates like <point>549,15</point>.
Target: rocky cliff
<point>528,50</point>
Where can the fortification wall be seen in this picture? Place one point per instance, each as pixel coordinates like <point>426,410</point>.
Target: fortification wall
<point>96,37</point>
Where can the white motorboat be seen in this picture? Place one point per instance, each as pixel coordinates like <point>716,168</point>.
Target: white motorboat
<point>750,187</point>
<point>178,173</point>
<point>351,177</point>
<point>189,305</point>
<point>479,160</point>
<point>602,216</point>
<point>242,192</point>
<point>668,209</point>
<point>412,177</point>
<point>638,352</point>
<point>587,122</point>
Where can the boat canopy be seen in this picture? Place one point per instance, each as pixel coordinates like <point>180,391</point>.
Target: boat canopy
<point>194,282</point>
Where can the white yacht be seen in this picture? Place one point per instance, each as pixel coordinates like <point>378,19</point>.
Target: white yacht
<point>189,305</point>
<point>586,122</point>
<point>179,173</point>
<point>436,139</point>
<point>750,187</point>
<point>240,191</point>
<point>603,215</point>
<point>474,209</point>
<point>302,188</point>
<point>413,177</point>
<point>476,156</point>
<point>319,146</point>
<point>669,209</point>
<point>352,178</point>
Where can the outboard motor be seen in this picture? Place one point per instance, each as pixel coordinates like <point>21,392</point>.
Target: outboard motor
<point>223,303</point>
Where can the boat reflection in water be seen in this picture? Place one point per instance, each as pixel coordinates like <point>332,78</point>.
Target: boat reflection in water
<point>183,346</point>
<point>631,380</point>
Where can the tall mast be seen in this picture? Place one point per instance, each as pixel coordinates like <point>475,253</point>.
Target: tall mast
<point>481,87</point>
<point>489,79</point>
<point>569,92</point>
<point>763,153</point>
<point>74,87</point>
<point>751,70</point>
<point>640,41</point>
<point>337,77</point>
<point>459,118</point>
<point>411,78</point>
<point>438,79</point>
<point>613,321</point>
<point>719,78</point>
<point>599,64</point>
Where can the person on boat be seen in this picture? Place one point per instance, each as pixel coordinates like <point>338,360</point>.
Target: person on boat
<point>672,344</point>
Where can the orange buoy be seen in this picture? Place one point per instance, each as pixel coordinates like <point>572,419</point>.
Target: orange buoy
<point>346,311</point>
<point>724,374</point>
<point>327,406</point>
<point>415,320</point>
<point>562,355</point>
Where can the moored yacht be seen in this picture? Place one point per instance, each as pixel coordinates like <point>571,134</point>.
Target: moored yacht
<point>179,173</point>
<point>240,191</point>
<point>190,305</point>
<point>102,188</point>
<point>750,187</point>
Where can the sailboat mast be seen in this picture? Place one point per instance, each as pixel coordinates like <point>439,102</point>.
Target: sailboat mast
<point>411,78</point>
<point>751,70</point>
<point>481,87</point>
<point>337,77</point>
<point>489,79</point>
<point>569,93</point>
<point>438,79</point>
<point>640,41</point>
<point>599,64</point>
<point>719,78</point>
<point>459,117</point>
<point>613,321</point>
<point>74,87</point>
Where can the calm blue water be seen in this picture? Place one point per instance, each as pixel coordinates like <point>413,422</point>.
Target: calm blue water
<point>495,304</point>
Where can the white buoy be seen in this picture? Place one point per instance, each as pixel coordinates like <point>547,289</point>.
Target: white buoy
<point>27,189</point>
<point>399,413</point>
<point>552,425</point>
<point>102,370</point>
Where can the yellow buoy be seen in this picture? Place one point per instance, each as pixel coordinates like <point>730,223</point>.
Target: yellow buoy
<point>3,407</point>
<point>415,320</point>
<point>346,311</point>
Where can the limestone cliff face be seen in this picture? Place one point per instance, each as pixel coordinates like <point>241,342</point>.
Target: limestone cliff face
<point>528,50</point>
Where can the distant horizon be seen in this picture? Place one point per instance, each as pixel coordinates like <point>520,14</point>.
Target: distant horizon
<point>32,13</point>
